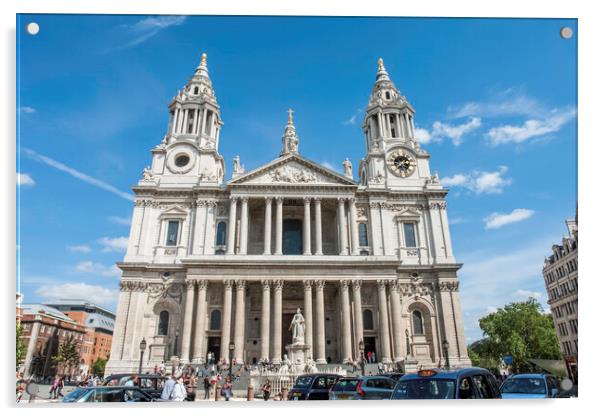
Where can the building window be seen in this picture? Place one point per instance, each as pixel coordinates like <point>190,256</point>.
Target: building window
<point>163,322</point>
<point>208,121</point>
<point>196,90</point>
<point>417,323</point>
<point>363,234</point>
<point>220,239</point>
<point>368,320</point>
<point>409,234</point>
<point>215,322</point>
<point>172,233</point>
<point>392,123</point>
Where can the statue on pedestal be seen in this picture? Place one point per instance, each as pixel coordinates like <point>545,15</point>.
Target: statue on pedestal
<point>298,327</point>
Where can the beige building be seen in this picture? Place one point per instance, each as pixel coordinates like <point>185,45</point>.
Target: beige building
<point>213,261</point>
<point>560,275</point>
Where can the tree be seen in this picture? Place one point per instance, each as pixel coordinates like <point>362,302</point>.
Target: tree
<point>98,367</point>
<point>519,329</point>
<point>68,353</point>
<point>21,350</point>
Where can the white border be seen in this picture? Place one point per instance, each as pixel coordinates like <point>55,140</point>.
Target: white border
<point>590,74</point>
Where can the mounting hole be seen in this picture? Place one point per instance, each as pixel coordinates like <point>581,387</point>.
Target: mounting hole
<point>33,28</point>
<point>566,32</point>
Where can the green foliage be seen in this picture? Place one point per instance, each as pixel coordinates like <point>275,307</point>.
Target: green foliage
<point>21,350</point>
<point>521,330</point>
<point>98,368</point>
<point>68,353</point>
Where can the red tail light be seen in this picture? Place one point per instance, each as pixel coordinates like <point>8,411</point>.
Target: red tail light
<point>359,389</point>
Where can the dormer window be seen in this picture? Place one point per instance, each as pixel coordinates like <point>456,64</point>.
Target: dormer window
<point>196,90</point>
<point>388,95</point>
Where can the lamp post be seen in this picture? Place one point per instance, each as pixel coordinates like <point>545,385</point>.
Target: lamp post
<point>142,348</point>
<point>175,346</point>
<point>446,353</point>
<point>230,356</point>
<point>362,360</point>
<point>407,342</point>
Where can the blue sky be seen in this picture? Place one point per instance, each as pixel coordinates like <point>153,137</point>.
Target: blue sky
<point>495,104</point>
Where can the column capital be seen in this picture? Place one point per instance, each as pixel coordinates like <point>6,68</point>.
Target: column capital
<point>317,199</point>
<point>341,200</point>
<point>228,284</point>
<point>394,285</point>
<point>244,199</point>
<point>344,284</point>
<point>319,284</point>
<point>268,199</point>
<point>201,284</point>
<point>234,198</point>
<point>241,284</point>
<point>381,284</point>
<point>307,284</point>
<point>278,284</point>
<point>352,200</point>
<point>279,200</point>
<point>357,284</point>
<point>190,284</point>
<point>307,200</point>
<point>265,284</point>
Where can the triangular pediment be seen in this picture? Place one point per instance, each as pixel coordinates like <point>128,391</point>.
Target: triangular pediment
<point>292,170</point>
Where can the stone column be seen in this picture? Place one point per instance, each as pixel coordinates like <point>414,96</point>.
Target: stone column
<point>239,322</point>
<point>307,306</point>
<point>398,350</point>
<point>353,227</point>
<point>265,321</point>
<point>342,229</point>
<point>231,227</point>
<point>277,335</point>
<point>199,327</point>
<point>359,317</point>
<point>226,319</point>
<point>385,342</point>
<point>267,227</point>
<point>318,221</point>
<point>320,319</point>
<point>187,327</point>
<point>346,321</point>
<point>244,225</point>
<point>306,227</point>
<point>278,242</point>
<point>33,338</point>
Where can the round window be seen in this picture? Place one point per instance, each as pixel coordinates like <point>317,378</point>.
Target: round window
<point>182,161</point>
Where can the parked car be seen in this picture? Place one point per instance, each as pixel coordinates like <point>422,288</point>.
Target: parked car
<point>465,383</point>
<point>363,388</point>
<point>530,386</point>
<point>108,394</point>
<point>313,386</point>
<point>150,383</point>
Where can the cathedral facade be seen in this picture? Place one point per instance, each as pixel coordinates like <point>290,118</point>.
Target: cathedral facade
<point>220,266</point>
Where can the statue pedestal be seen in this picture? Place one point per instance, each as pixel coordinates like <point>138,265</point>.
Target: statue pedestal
<point>298,354</point>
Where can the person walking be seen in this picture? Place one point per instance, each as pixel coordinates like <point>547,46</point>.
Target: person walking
<point>178,393</point>
<point>60,387</point>
<point>227,389</point>
<point>266,390</point>
<point>207,386</point>
<point>168,388</point>
<point>54,386</point>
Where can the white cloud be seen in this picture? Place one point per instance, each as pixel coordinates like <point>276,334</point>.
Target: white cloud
<point>530,128</point>
<point>328,165</point>
<point>148,27</point>
<point>93,293</point>
<point>521,293</point>
<point>24,179</point>
<point>480,182</point>
<point>76,174</point>
<point>80,249</point>
<point>497,220</point>
<point>457,220</point>
<point>90,267</point>
<point>120,220</point>
<point>114,244</point>
<point>422,135</point>
<point>440,131</point>
<point>353,119</point>
<point>27,110</point>
<point>511,102</point>
<point>455,132</point>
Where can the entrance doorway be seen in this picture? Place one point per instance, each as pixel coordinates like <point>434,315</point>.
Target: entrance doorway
<point>292,237</point>
<point>370,345</point>
<point>287,336</point>
<point>214,346</point>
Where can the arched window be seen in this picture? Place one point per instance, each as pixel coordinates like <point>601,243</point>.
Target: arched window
<point>368,321</point>
<point>417,322</point>
<point>196,90</point>
<point>163,322</point>
<point>221,234</point>
<point>216,320</point>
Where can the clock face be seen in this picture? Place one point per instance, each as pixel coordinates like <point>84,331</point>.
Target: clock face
<point>401,163</point>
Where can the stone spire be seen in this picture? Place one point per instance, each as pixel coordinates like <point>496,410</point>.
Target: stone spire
<point>290,141</point>
<point>384,89</point>
<point>200,83</point>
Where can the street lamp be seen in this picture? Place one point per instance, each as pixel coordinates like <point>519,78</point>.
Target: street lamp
<point>142,348</point>
<point>362,355</point>
<point>230,355</point>
<point>446,352</point>
<point>407,342</point>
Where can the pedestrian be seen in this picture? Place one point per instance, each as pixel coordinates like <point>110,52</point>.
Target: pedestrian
<point>156,369</point>
<point>380,368</point>
<point>60,387</point>
<point>227,389</point>
<point>54,387</point>
<point>266,390</point>
<point>207,386</point>
<point>132,382</point>
<point>162,368</point>
<point>178,394</point>
<point>168,388</point>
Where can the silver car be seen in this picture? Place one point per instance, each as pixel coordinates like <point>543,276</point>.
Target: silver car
<point>363,388</point>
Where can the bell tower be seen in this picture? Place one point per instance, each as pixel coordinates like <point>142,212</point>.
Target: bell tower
<point>391,147</point>
<point>189,151</point>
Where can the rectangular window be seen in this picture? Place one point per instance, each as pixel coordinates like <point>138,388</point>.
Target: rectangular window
<point>172,233</point>
<point>363,234</point>
<point>409,234</point>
